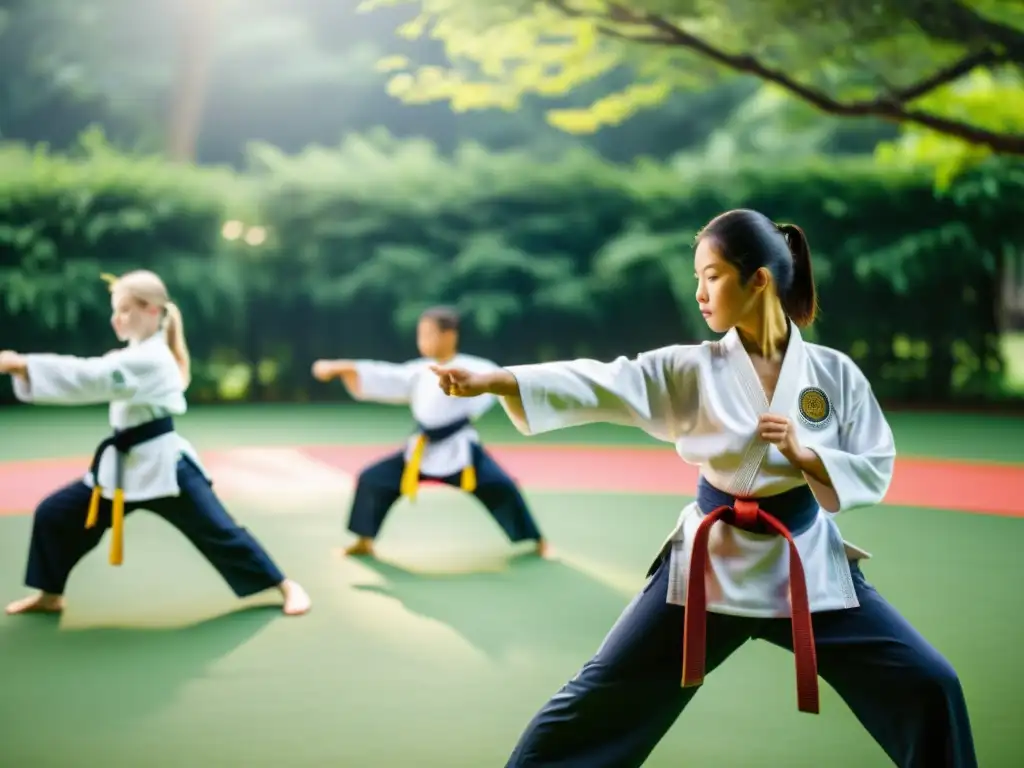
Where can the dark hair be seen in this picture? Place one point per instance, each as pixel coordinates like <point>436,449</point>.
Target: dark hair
<point>750,240</point>
<point>446,318</point>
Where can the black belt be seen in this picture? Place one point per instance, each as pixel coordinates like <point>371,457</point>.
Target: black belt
<point>437,434</point>
<point>122,441</point>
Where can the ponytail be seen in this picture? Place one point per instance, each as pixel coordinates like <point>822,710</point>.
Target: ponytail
<point>800,302</point>
<point>174,331</point>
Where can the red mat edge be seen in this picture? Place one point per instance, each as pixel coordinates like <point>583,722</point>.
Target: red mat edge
<point>965,486</point>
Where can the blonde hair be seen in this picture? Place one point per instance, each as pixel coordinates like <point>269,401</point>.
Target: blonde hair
<point>149,290</point>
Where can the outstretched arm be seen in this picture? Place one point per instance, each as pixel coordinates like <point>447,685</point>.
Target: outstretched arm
<point>641,392</point>
<point>369,379</point>
<point>48,379</point>
<point>459,382</point>
<point>345,370</point>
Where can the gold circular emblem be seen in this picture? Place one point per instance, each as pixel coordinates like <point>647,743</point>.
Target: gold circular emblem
<point>814,405</point>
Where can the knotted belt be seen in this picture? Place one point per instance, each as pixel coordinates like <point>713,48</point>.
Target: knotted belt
<point>794,512</point>
<point>411,473</point>
<point>122,441</point>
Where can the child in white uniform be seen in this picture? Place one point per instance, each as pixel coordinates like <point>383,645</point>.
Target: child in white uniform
<point>144,464</point>
<point>445,446</point>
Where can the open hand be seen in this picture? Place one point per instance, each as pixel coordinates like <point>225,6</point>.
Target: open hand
<point>325,370</point>
<point>780,432</point>
<point>322,370</point>
<point>11,362</point>
<point>458,382</point>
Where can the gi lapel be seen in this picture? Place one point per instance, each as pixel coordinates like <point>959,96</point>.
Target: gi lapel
<point>782,399</point>
<point>788,385</point>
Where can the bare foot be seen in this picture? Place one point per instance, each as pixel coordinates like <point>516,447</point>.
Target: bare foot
<point>539,549</point>
<point>363,546</point>
<point>40,603</point>
<point>296,600</point>
<point>544,550</point>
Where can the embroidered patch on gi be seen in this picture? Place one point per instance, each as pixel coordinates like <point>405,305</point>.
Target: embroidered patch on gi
<point>815,407</point>
<point>117,378</point>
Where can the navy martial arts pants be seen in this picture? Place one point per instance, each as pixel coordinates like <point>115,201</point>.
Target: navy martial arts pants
<point>618,707</point>
<point>60,538</point>
<point>378,489</point>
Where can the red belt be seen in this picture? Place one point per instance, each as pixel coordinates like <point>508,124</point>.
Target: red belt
<point>745,513</point>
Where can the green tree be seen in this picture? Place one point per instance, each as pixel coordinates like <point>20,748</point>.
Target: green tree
<point>952,69</point>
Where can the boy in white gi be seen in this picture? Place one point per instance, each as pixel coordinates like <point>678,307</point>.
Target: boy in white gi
<point>445,446</point>
<point>143,464</point>
<point>787,434</point>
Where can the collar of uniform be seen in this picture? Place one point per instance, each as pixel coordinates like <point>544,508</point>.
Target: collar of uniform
<point>156,337</point>
<point>731,341</point>
<point>789,375</point>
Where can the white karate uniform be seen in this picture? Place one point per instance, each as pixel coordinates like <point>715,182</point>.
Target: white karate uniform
<point>415,385</point>
<point>142,382</point>
<point>706,400</point>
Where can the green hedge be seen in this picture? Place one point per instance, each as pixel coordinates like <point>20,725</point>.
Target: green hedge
<point>66,220</point>
<point>546,260</point>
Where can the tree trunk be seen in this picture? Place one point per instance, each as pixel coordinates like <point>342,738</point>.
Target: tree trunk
<point>1011,300</point>
<point>195,58</point>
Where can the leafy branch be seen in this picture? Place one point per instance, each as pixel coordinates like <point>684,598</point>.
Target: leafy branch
<point>895,105</point>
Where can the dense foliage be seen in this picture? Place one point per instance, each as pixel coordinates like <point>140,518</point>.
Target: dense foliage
<point>574,257</point>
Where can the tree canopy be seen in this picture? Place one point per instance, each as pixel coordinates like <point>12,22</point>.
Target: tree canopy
<point>949,72</point>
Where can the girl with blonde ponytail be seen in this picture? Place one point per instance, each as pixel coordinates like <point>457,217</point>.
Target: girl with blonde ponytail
<point>174,332</point>
<point>144,382</point>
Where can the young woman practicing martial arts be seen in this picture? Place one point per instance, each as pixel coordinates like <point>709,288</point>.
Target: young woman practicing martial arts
<point>786,434</point>
<point>143,464</point>
<point>445,446</point>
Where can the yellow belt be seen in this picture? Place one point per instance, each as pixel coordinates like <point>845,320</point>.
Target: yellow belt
<point>116,520</point>
<point>411,474</point>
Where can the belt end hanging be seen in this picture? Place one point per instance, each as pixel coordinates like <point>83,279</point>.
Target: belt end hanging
<point>117,528</point>
<point>410,482</point>
<point>693,664</point>
<point>409,485</point>
<point>810,706</point>
<point>94,507</point>
<point>468,481</point>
